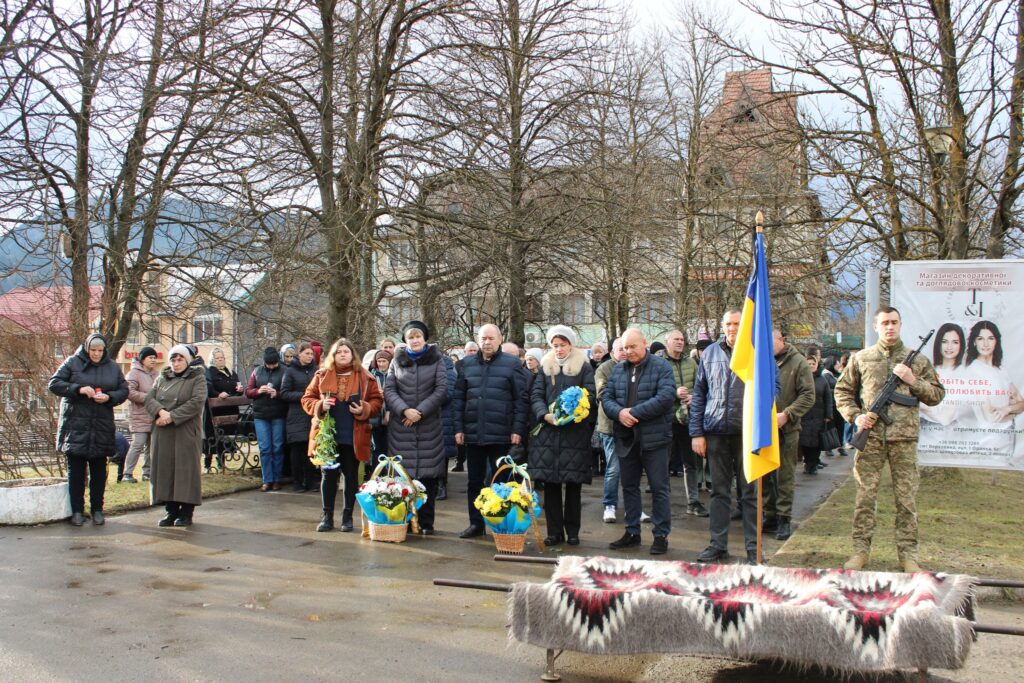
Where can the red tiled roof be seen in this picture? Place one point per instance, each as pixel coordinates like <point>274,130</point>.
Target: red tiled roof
<point>44,310</point>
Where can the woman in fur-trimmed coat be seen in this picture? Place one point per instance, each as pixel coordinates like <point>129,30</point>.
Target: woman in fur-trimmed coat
<point>561,455</point>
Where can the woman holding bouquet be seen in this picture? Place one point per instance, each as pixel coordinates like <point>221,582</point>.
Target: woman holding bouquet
<point>343,389</point>
<point>415,390</point>
<point>561,454</point>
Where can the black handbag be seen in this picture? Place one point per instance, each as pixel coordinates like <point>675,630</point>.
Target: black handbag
<point>828,440</point>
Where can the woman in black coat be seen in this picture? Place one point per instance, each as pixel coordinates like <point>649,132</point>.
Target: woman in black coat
<point>221,382</point>
<point>816,420</point>
<point>91,385</point>
<point>297,377</point>
<point>415,390</point>
<point>561,455</point>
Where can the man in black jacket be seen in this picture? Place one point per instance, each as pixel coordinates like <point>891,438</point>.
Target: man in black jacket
<point>639,399</point>
<point>490,405</point>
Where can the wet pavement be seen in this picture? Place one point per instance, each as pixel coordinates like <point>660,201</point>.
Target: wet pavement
<point>253,593</point>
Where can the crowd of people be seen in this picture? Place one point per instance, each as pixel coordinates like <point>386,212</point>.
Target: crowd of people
<point>657,409</point>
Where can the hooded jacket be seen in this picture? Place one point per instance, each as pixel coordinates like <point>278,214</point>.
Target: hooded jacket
<point>796,387</point>
<point>86,428</point>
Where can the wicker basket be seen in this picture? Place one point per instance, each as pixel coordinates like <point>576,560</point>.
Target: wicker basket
<point>388,533</point>
<point>509,544</point>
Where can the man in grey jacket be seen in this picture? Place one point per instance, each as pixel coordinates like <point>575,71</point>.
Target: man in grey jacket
<point>140,380</point>
<point>639,398</point>
<point>716,428</point>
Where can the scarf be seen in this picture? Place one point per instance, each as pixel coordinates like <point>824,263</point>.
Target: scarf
<point>415,356</point>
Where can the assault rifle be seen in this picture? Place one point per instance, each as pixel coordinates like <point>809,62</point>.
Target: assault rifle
<point>888,395</point>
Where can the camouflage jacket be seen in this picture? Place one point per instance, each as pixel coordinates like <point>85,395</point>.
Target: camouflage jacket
<point>865,376</point>
<point>796,387</point>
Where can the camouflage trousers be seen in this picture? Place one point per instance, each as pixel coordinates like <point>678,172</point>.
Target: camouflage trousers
<point>867,469</point>
<point>779,485</point>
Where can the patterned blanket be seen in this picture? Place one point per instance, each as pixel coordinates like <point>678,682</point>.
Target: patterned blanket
<point>845,620</point>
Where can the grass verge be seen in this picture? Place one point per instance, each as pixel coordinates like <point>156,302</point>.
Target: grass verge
<point>124,497</point>
<point>969,522</point>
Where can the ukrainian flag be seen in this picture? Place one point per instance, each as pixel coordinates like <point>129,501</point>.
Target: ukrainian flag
<point>753,360</point>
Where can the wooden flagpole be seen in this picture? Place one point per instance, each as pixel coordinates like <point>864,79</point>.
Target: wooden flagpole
<point>759,228</point>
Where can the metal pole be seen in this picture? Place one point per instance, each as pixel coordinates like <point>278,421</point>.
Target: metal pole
<point>525,559</point>
<point>759,521</point>
<point>478,585</point>
<point>1000,583</point>
<point>998,629</point>
<point>872,300</point>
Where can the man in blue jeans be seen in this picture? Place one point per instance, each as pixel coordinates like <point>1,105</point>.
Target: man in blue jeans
<point>269,414</point>
<point>605,434</point>
<point>639,398</point>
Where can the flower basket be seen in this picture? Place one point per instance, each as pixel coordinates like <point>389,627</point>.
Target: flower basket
<point>510,509</point>
<point>388,501</point>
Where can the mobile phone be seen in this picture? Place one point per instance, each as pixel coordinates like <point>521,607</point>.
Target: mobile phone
<point>355,399</point>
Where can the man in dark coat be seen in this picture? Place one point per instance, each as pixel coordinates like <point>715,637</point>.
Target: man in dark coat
<point>90,384</point>
<point>490,405</point>
<point>639,399</point>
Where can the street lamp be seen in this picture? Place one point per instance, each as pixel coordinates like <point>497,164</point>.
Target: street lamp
<point>940,141</point>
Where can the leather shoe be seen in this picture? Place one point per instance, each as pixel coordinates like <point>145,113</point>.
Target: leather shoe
<point>183,521</point>
<point>770,524</point>
<point>266,487</point>
<point>784,531</point>
<point>472,531</point>
<point>346,525</point>
<point>573,540</point>
<point>167,520</point>
<point>660,545</point>
<point>97,518</point>
<point>752,558</point>
<point>77,519</point>
<point>628,540</point>
<point>697,509</point>
<point>712,554</point>
<point>326,523</point>
<point>458,467</point>
<point>554,539</point>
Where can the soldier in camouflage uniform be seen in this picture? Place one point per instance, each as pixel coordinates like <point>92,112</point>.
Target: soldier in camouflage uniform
<point>895,444</point>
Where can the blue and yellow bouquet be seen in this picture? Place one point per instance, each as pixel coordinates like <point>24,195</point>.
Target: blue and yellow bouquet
<point>506,507</point>
<point>572,405</point>
<point>391,496</point>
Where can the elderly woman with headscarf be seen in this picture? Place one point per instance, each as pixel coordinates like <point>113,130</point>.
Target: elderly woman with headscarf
<point>287,353</point>
<point>176,404</point>
<point>90,384</point>
<point>415,391</point>
<point>349,393</point>
<point>221,382</point>
<point>561,455</point>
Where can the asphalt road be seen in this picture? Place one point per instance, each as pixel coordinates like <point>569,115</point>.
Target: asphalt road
<point>252,593</point>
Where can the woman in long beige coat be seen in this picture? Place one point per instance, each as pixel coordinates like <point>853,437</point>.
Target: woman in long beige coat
<point>176,402</point>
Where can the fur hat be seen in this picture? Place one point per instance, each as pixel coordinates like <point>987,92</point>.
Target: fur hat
<point>416,325</point>
<point>563,331</point>
<point>180,350</point>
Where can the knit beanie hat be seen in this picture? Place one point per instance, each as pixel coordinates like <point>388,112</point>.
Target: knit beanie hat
<point>145,352</point>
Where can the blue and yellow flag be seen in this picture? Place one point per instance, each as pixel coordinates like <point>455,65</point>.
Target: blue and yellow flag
<point>753,360</point>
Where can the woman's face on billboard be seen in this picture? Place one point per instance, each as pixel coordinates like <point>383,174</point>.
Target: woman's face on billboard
<point>985,343</point>
<point>950,345</point>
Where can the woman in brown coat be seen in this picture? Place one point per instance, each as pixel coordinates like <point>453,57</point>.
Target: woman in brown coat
<point>176,403</point>
<point>343,388</point>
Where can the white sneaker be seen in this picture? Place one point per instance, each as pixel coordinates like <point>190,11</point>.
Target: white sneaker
<point>609,513</point>
<point>644,517</point>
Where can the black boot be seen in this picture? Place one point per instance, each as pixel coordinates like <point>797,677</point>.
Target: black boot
<point>173,509</point>
<point>327,521</point>
<point>770,524</point>
<point>346,519</point>
<point>784,531</point>
<point>185,515</point>
<point>442,491</point>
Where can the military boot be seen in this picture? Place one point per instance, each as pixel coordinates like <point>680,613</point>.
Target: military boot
<point>910,566</point>
<point>327,521</point>
<point>857,562</point>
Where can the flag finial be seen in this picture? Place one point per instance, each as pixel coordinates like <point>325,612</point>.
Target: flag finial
<point>759,221</point>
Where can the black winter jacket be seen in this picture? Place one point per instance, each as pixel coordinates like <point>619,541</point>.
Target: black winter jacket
<point>819,417</point>
<point>490,399</point>
<point>421,384</point>
<point>86,428</point>
<point>655,399</point>
<point>717,403</point>
<point>296,378</point>
<point>562,454</point>
<point>263,406</point>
